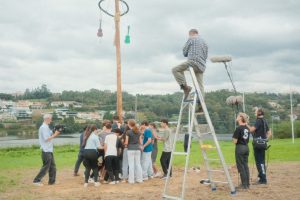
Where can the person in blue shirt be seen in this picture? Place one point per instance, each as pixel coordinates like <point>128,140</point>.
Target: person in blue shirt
<point>46,136</point>
<point>80,154</point>
<point>147,151</point>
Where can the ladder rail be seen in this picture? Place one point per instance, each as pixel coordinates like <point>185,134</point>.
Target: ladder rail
<point>198,91</point>
<point>174,146</point>
<point>191,124</point>
<point>205,157</point>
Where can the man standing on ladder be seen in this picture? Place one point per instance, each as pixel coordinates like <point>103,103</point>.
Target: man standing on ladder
<point>195,49</point>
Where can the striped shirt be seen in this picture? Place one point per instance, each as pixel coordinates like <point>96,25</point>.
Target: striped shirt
<point>195,49</point>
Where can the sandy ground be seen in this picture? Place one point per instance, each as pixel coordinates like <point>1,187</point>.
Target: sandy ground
<point>284,183</point>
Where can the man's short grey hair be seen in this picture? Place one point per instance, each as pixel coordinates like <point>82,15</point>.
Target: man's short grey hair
<point>193,30</point>
<point>47,116</point>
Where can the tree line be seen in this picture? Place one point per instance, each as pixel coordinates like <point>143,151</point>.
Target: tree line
<point>155,107</point>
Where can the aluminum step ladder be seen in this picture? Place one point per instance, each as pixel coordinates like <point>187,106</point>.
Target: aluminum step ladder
<point>189,104</point>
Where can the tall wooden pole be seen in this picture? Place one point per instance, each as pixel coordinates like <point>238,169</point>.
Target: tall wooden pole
<point>118,57</point>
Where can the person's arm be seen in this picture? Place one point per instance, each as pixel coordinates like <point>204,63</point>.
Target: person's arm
<point>56,133</point>
<point>105,148</point>
<point>186,48</point>
<point>155,135</point>
<point>126,141</point>
<point>269,134</point>
<point>235,136</point>
<point>165,136</point>
<point>148,142</point>
<point>252,129</point>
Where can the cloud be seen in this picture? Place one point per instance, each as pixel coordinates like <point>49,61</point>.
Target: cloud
<point>55,43</point>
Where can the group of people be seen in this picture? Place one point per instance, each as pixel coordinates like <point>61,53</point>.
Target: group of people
<point>123,153</point>
<point>128,152</point>
<point>241,138</point>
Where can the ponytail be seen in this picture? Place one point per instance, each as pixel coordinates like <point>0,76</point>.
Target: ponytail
<point>133,126</point>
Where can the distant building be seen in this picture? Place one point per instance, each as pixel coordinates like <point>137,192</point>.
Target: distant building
<point>274,104</point>
<point>66,104</point>
<point>21,112</point>
<point>276,117</point>
<point>7,117</point>
<point>90,116</point>
<point>38,105</point>
<point>23,104</point>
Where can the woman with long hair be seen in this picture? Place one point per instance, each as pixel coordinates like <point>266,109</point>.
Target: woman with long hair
<point>91,145</point>
<point>133,142</point>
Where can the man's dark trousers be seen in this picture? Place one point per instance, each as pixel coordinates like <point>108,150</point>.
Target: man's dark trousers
<point>165,162</point>
<point>259,155</point>
<point>48,166</point>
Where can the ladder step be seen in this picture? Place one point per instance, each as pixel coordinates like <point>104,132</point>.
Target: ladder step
<point>171,197</point>
<point>212,159</point>
<point>199,113</point>
<point>219,182</point>
<point>188,100</point>
<point>207,146</point>
<point>215,170</point>
<point>202,134</point>
<point>180,153</point>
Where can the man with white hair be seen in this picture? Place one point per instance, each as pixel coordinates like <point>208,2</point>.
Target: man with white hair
<point>195,49</point>
<point>46,141</point>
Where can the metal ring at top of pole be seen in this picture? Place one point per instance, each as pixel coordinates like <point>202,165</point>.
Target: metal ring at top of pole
<point>106,12</point>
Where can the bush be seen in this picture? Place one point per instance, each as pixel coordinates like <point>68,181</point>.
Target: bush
<point>283,129</point>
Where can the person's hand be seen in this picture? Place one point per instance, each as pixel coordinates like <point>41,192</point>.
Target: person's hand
<point>141,147</point>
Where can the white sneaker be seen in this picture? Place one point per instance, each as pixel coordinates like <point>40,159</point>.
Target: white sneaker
<point>85,185</point>
<point>145,179</point>
<point>112,183</point>
<point>105,182</point>
<point>150,177</point>
<point>158,174</point>
<point>38,184</point>
<point>97,184</point>
<point>91,180</point>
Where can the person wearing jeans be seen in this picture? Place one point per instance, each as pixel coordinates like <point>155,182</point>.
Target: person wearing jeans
<point>260,129</point>
<point>168,139</point>
<point>80,154</point>
<point>133,142</point>
<point>147,151</point>
<point>46,142</point>
<point>91,145</point>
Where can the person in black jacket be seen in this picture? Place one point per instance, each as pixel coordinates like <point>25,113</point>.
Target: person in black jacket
<point>80,154</point>
<point>260,129</point>
<point>241,138</point>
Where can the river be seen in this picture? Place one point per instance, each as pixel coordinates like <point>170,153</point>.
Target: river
<point>63,139</point>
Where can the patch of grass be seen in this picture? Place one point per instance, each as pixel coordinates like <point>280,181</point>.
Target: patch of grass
<point>65,156</point>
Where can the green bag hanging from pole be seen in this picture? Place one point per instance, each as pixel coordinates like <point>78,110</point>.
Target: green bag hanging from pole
<point>127,38</point>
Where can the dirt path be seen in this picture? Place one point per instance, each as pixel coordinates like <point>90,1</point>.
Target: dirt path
<point>284,182</point>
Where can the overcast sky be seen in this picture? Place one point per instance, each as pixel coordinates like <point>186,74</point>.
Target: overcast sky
<point>54,42</point>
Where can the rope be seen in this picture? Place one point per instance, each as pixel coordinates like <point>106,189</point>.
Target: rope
<point>109,14</point>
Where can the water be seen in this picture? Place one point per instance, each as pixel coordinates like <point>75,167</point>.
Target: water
<point>29,140</point>
<point>63,139</point>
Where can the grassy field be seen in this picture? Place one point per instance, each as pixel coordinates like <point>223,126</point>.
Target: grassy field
<point>15,161</point>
